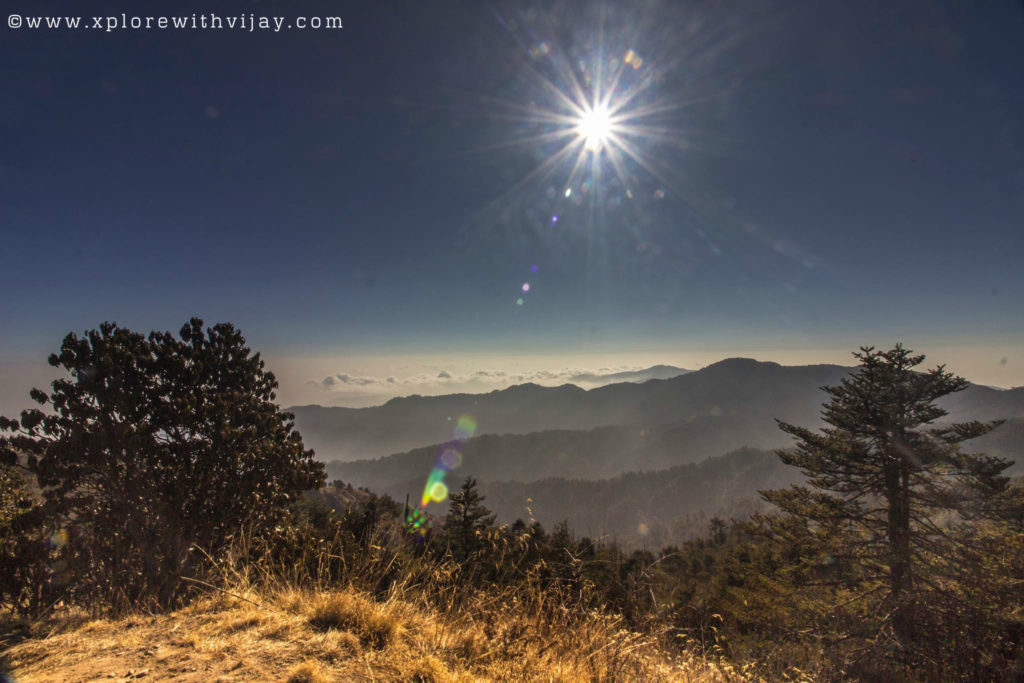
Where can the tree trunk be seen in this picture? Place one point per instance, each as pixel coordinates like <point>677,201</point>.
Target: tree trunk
<point>900,569</point>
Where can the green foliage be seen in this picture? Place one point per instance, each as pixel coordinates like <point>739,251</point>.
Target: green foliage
<point>884,530</point>
<point>15,498</point>
<point>24,552</point>
<point>154,452</point>
<point>467,521</point>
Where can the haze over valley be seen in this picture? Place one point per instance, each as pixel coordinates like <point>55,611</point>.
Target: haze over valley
<point>703,438</point>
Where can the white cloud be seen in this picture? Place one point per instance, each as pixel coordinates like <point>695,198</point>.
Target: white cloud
<point>344,378</point>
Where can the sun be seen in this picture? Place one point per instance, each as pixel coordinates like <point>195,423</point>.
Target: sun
<point>598,121</point>
<point>594,128</point>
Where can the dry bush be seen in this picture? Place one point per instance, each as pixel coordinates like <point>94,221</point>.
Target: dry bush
<point>308,672</point>
<point>374,624</point>
<point>427,669</point>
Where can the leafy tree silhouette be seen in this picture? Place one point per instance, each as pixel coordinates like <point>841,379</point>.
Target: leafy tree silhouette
<point>157,451</point>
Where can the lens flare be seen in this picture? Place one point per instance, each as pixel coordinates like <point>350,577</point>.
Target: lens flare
<point>439,491</point>
<point>429,490</point>
<point>465,428</point>
<point>449,458</point>
<point>418,523</point>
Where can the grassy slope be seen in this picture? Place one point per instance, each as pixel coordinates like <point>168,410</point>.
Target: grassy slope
<point>286,634</point>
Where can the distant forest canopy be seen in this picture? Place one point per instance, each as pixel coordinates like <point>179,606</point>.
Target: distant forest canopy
<point>637,509</point>
<point>647,508</point>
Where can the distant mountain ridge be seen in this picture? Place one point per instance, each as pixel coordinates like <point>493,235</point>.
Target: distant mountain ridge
<point>590,454</point>
<point>653,372</point>
<point>728,388</point>
<point>748,394</point>
<point>606,452</point>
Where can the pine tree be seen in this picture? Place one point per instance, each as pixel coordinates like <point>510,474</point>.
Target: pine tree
<point>889,488</point>
<point>467,520</point>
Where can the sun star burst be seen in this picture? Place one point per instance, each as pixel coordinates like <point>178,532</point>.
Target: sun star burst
<point>598,122</point>
<point>596,118</point>
<point>594,128</point>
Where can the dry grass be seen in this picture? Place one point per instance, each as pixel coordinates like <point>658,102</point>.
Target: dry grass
<point>374,625</point>
<point>308,672</point>
<point>289,634</point>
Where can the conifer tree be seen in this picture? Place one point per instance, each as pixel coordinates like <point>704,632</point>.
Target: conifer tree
<point>889,489</point>
<point>466,520</point>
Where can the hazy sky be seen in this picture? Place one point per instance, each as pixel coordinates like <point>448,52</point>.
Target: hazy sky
<point>788,182</point>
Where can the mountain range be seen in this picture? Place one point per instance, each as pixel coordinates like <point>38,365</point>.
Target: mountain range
<point>737,388</point>
<point>746,395</point>
<point>565,443</point>
<point>653,372</point>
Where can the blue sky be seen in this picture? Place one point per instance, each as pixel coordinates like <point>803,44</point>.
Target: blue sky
<point>825,175</point>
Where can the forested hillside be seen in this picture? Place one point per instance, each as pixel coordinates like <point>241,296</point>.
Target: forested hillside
<point>639,509</point>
